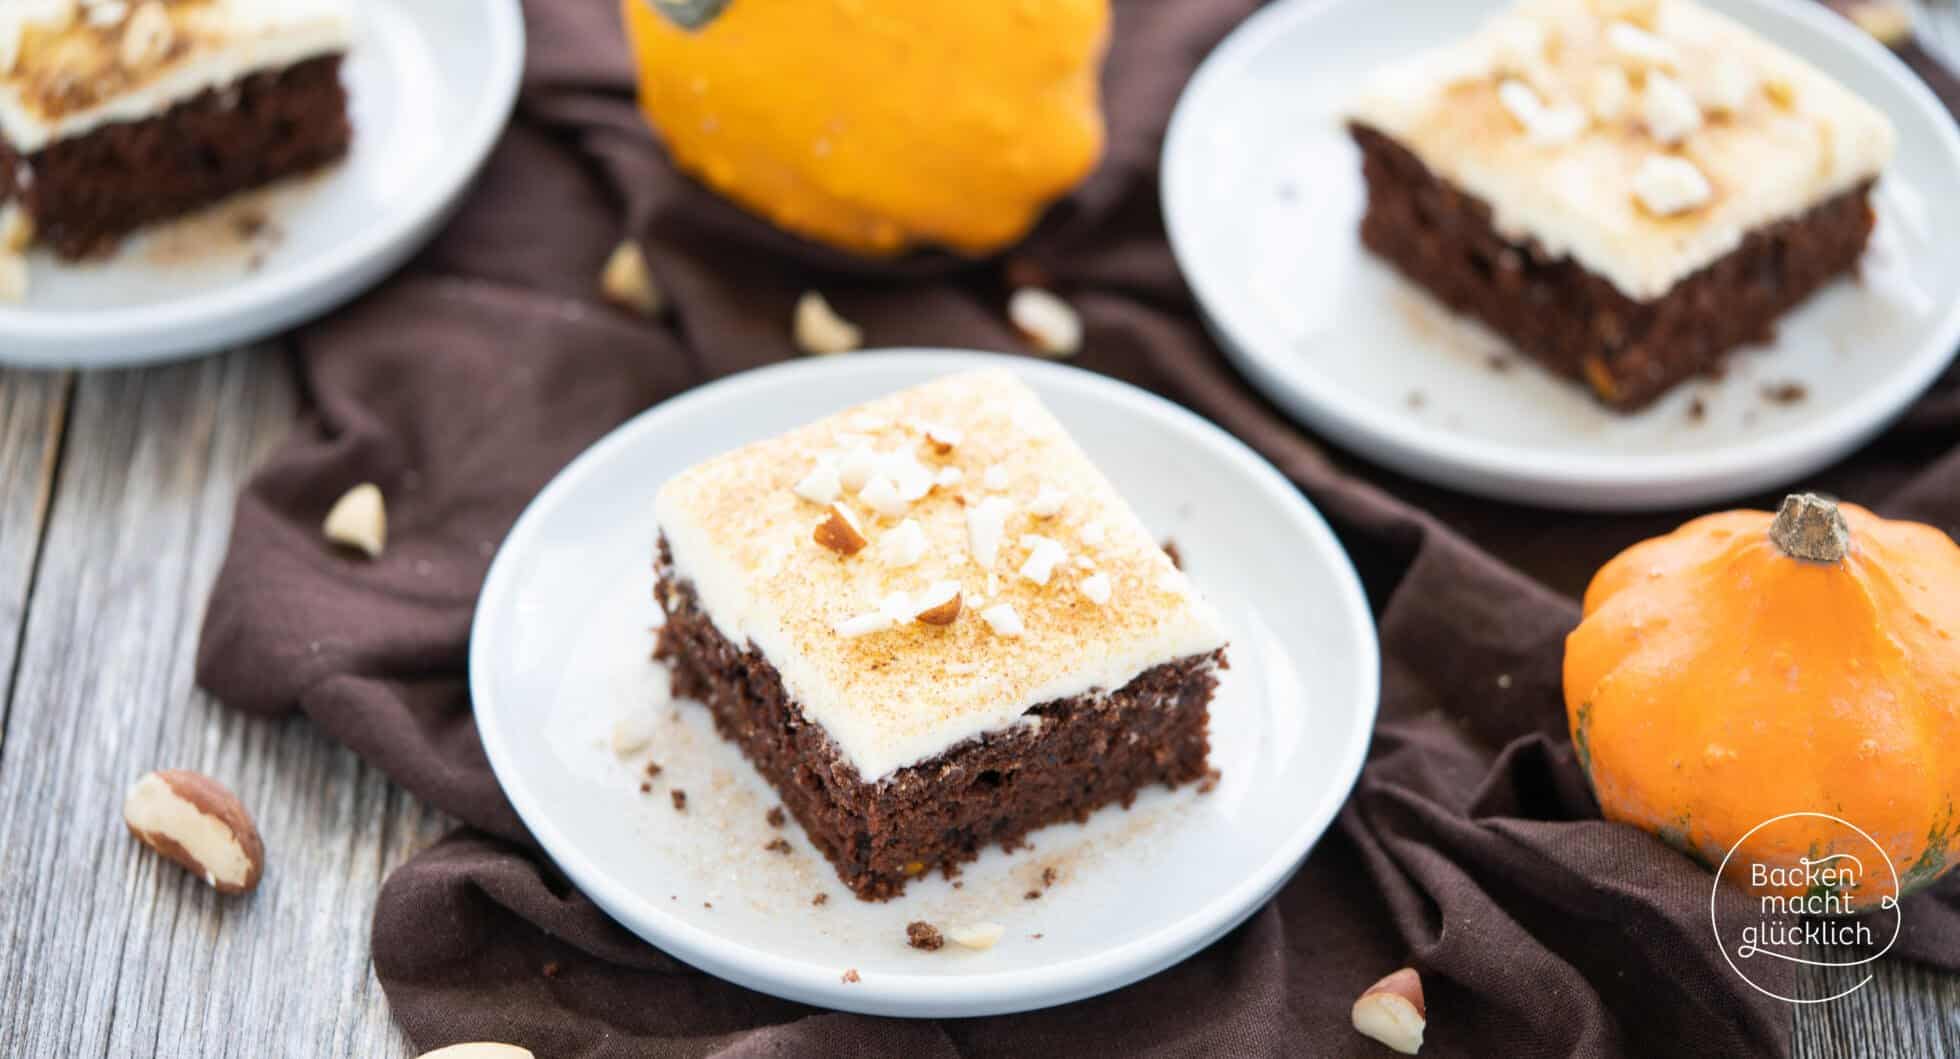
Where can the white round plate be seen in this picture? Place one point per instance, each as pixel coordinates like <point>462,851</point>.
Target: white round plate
<point>431,84</point>
<point>560,646</point>
<point>1263,198</point>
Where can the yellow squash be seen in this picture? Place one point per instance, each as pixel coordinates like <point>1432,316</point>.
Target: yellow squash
<point>1746,666</point>
<point>874,125</point>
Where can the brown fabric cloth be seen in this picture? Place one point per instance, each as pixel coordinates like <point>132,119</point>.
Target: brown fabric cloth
<point>1471,848</point>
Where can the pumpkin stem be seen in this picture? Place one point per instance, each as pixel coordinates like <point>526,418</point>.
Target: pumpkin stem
<point>1810,527</point>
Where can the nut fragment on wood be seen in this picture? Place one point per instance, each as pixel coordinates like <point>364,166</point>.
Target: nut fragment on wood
<point>1888,21</point>
<point>195,821</point>
<point>820,331</point>
<point>1391,1011</point>
<point>1051,324</point>
<point>628,283</point>
<point>359,519</point>
<point>480,1050</point>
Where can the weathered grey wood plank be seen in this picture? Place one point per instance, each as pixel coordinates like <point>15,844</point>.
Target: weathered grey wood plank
<point>33,406</point>
<point>108,950</point>
<point>1907,1010</point>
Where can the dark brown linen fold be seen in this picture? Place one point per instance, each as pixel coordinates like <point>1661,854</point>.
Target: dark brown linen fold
<point>1471,848</point>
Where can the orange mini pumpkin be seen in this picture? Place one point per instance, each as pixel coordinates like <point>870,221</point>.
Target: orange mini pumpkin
<point>1747,665</point>
<point>877,125</point>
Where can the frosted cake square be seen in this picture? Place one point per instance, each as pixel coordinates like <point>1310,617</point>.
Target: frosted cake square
<point>115,114</point>
<point>933,626</point>
<point>1625,189</point>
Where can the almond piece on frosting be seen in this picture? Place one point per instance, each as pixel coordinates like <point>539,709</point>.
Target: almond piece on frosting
<point>1391,1011</point>
<point>1048,502</point>
<point>840,532</point>
<point>1668,110</point>
<point>195,821</point>
<point>1666,185</point>
<point>1003,619</point>
<point>939,604</point>
<point>821,486</point>
<point>1044,555</point>
<point>904,545</point>
<point>986,524</point>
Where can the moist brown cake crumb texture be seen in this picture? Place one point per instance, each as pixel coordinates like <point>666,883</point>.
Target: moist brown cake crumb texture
<point>924,936</point>
<point>1087,752</point>
<point>679,797</point>
<point>777,817</point>
<point>1577,323</point>
<point>88,191</point>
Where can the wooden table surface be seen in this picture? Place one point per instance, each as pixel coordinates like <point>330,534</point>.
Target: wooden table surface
<point>116,493</point>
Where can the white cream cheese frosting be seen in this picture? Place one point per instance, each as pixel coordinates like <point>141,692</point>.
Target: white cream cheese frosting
<point>1553,108</point>
<point>1034,625</point>
<point>69,67</point>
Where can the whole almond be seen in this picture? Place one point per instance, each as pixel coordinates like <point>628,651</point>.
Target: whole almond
<point>195,821</point>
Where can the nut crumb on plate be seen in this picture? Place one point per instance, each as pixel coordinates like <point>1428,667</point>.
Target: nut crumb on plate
<point>680,799</point>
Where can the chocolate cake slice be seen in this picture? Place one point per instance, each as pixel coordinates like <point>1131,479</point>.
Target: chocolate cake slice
<point>933,626</point>
<point>1625,189</point>
<point>118,114</point>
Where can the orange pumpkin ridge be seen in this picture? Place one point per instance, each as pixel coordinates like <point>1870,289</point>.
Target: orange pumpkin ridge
<point>1718,679</point>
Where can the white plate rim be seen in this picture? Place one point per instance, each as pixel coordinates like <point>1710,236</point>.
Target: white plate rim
<point>177,328</point>
<point>930,996</point>
<point>1539,475</point>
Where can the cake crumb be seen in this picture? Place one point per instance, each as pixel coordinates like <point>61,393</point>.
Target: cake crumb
<point>921,935</point>
<point>707,904</point>
<point>776,817</point>
<point>652,769</point>
<point>1048,876</point>
<point>1785,393</point>
<point>645,787</point>
<point>1177,557</point>
<point>1031,895</point>
<point>820,899</point>
<point>1210,782</point>
<point>780,845</point>
<point>851,976</point>
<point>680,799</point>
<point>1697,410</point>
<point>551,969</point>
<point>1498,363</point>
